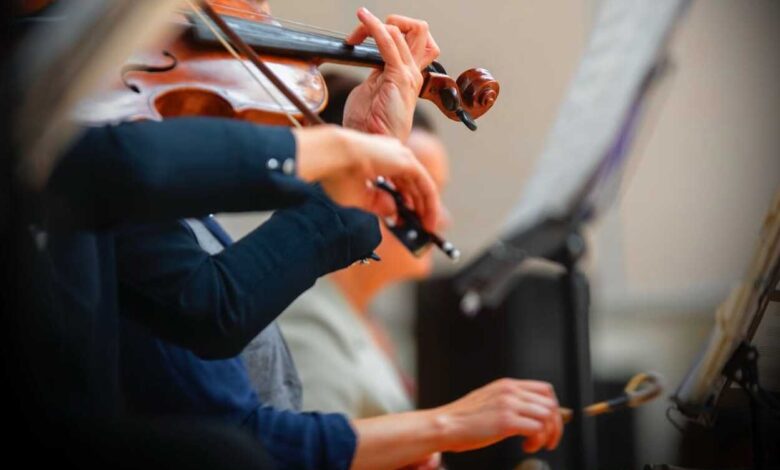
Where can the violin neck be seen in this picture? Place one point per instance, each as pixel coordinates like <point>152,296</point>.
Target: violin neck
<point>272,39</point>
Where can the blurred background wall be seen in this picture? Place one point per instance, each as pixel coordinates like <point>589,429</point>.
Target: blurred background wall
<point>700,180</point>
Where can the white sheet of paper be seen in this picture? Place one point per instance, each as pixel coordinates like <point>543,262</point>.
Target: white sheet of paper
<point>623,47</point>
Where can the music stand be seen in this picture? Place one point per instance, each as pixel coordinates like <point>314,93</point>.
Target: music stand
<point>577,177</point>
<point>729,355</point>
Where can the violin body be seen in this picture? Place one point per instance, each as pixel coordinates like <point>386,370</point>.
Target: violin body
<point>193,78</point>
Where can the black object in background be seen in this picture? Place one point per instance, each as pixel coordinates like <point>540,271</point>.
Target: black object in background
<point>522,338</point>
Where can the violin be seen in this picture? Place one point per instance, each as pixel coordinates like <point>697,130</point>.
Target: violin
<point>205,71</point>
<point>196,75</point>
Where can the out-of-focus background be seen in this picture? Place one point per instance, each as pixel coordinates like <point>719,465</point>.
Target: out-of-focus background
<point>699,182</point>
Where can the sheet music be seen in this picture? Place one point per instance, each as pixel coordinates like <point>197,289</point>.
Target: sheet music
<point>624,45</point>
<point>736,320</point>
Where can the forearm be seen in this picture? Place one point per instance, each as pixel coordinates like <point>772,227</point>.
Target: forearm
<point>503,408</point>
<point>215,305</point>
<point>393,441</point>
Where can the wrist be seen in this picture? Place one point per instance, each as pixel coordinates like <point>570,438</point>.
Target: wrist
<point>440,429</point>
<point>321,151</point>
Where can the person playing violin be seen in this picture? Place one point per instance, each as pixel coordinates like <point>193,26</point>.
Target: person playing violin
<point>64,345</point>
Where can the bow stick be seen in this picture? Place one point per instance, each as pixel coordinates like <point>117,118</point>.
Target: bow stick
<point>641,389</point>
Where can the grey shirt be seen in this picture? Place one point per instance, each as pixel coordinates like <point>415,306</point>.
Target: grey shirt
<point>272,370</point>
<point>342,368</point>
<point>268,361</point>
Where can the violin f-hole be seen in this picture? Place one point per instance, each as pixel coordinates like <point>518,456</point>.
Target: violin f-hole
<point>135,67</point>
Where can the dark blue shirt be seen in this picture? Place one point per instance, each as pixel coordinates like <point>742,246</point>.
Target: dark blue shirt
<point>159,378</point>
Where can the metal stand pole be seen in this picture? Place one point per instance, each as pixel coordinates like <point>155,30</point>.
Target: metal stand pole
<point>579,380</point>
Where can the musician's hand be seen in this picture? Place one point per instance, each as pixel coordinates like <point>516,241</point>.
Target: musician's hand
<point>553,427</point>
<point>345,161</point>
<point>384,103</point>
<point>501,409</point>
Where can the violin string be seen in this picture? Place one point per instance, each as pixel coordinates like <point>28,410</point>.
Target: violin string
<point>305,27</point>
<point>235,54</point>
<point>332,33</point>
<point>337,34</point>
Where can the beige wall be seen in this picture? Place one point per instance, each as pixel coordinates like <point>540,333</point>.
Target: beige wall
<point>703,179</point>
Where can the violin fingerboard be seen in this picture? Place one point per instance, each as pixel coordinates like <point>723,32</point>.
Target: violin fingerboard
<point>274,39</point>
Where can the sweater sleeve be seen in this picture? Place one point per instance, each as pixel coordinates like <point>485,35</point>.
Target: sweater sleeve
<point>216,304</point>
<point>304,440</point>
<point>148,171</point>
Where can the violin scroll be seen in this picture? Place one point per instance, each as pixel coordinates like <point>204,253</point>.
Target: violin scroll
<point>478,91</point>
<point>466,99</point>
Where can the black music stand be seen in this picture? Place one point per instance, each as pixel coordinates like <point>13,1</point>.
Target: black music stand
<point>560,241</point>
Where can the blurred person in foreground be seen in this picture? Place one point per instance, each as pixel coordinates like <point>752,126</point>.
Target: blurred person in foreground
<point>76,272</point>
